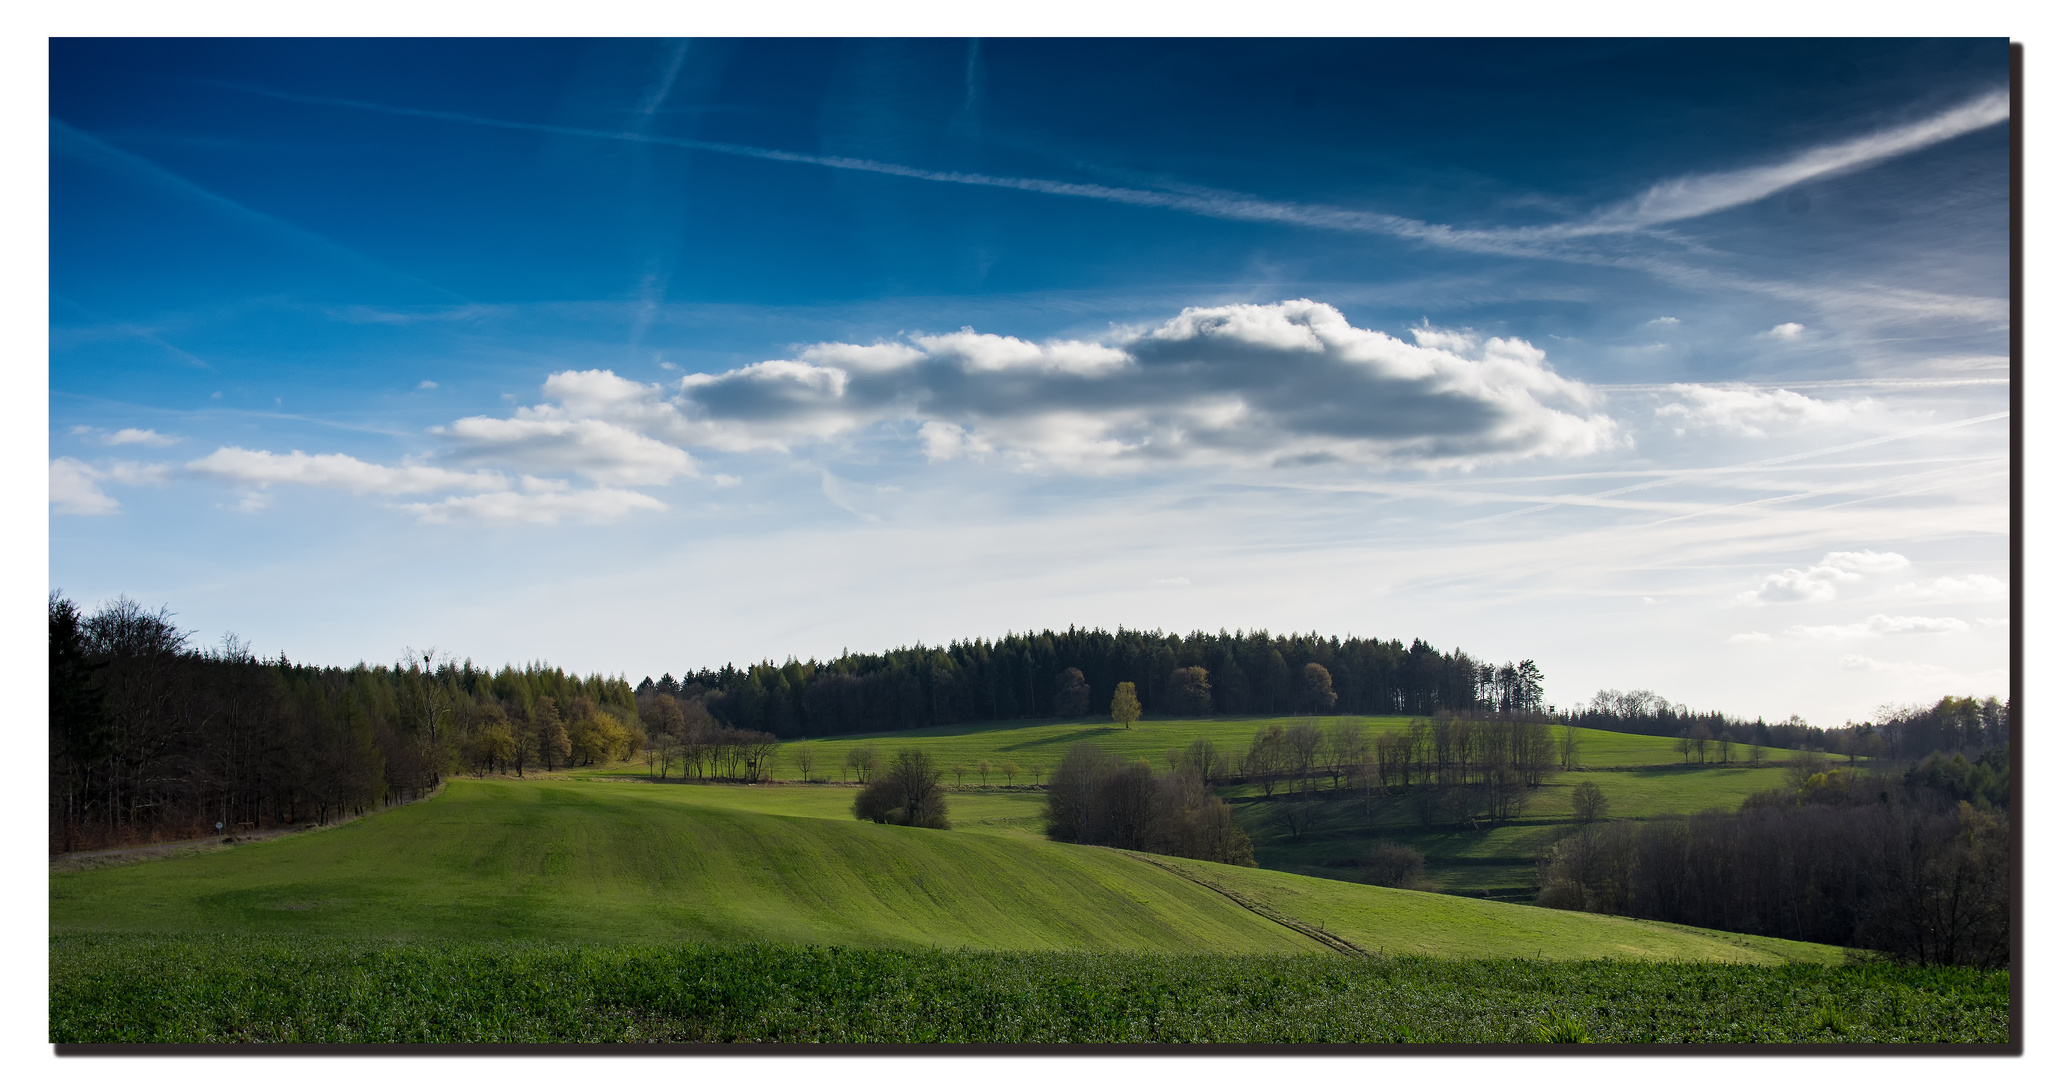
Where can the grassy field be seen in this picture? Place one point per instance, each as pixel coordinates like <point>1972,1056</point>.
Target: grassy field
<point>598,861</point>
<point>1642,775</point>
<point>157,988</point>
<point>1041,744</point>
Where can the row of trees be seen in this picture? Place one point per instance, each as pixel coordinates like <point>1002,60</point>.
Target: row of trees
<point>153,738</point>
<point>1462,767</point>
<point>1952,724</point>
<point>1838,859</point>
<point>1096,798</point>
<point>1075,672</point>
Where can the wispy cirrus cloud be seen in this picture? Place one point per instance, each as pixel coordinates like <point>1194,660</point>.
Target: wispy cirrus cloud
<point>1677,199</point>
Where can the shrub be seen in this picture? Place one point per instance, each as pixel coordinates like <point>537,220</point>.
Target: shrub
<point>1394,866</point>
<point>909,792</point>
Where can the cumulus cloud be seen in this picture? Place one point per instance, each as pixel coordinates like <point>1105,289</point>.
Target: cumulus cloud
<point>1751,411</point>
<point>1879,626</point>
<point>338,471</point>
<point>1269,384</point>
<point>137,437</point>
<point>535,507</point>
<point>75,485</point>
<point>1786,331</point>
<point>1819,582</point>
<point>604,452</point>
<point>75,489</point>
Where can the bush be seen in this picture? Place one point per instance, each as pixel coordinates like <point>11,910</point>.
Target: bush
<point>1394,866</point>
<point>1589,803</point>
<point>910,792</point>
<point>1098,799</point>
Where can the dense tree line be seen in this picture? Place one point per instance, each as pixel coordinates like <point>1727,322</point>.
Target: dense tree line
<point>1075,672</point>
<point>1897,865</point>
<point>152,737</point>
<point>1096,798</point>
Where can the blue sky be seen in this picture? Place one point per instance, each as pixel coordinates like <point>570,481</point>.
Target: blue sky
<point>1671,364</point>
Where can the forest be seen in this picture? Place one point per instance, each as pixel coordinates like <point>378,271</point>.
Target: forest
<point>1016,676</point>
<point>1916,866</point>
<point>152,738</point>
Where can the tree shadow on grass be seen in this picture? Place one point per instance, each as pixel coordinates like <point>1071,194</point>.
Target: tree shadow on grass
<point>1070,736</point>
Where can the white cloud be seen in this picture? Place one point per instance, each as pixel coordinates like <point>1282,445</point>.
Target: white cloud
<point>1819,582</point>
<point>75,489</point>
<point>1748,636</point>
<point>1751,411</point>
<point>1240,385</point>
<point>1663,320</point>
<point>426,384</point>
<point>543,440</point>
<point>75,485</point>
<point>1786,331</point>
<point>137,436</point>
<point>1995,624</point>
<point>1969,587</point>
<point>1879,626</point>
<point>1814,584</point>
<point>535,508</point>
<point>338,471</point>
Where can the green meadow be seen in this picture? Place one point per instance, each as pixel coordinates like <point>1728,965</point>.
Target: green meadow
<point>1041,744</point>
<point>600,861</point>
<point>1642,775</point>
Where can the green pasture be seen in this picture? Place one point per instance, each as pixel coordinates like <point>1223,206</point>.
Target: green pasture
<point>1034,744</point>
<point>599,861</point>
<point>1643,776</point>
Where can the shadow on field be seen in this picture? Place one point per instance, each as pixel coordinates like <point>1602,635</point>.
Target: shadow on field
<point>1070,736</point>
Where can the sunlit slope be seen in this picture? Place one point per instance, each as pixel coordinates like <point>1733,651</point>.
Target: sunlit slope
<point>595,861</point>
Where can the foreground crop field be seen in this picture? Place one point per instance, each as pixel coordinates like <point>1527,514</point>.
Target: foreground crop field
<point>122,988</point>
<point>594,861</point>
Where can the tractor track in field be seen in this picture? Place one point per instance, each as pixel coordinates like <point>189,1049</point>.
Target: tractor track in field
<point>1316,933</point>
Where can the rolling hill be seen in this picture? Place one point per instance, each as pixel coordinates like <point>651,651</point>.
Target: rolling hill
<point>595,861</point>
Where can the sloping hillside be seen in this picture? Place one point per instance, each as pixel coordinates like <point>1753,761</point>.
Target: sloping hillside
<point>595,861</point>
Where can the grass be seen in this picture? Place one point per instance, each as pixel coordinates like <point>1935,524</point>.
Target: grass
<point>1499,859</point>
<point>1034,743</point>
<point>173,989</point>
<point>600,862</point>
<point>1642,775</point>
